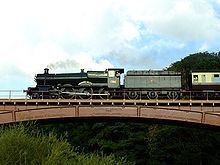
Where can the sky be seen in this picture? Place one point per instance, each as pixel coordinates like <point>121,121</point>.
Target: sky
<point>68,35</point>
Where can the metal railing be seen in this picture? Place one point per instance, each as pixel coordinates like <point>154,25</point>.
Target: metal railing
<point>13,94</point>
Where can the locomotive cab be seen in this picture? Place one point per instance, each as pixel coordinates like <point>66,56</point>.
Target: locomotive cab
<point>114,76</point>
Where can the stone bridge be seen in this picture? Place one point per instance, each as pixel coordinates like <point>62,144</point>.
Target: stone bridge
<point>201,112</point>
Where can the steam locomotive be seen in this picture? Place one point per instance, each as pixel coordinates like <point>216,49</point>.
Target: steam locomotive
<point>145,84</point>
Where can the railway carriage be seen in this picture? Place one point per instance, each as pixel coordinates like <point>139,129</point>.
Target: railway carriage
<point>205,80</point>
<point>205,83</point>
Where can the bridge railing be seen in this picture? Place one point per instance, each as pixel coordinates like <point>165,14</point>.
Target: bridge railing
<point>12,94</point>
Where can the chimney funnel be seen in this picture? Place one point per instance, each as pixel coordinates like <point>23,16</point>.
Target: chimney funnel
<point>46,71</point>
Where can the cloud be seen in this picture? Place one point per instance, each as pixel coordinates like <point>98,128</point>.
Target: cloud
<point>69,35</point>
<point>184,19</point>
<point>204,47</point>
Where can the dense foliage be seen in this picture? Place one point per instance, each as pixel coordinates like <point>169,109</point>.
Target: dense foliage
<point>144,143</point>
<point>181,145</point>
<point>25,145</point>
<point>124,140</point>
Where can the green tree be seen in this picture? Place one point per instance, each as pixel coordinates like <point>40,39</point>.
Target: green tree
<point>197,61</point>
<point>124,140</point>
<point>182,145</point>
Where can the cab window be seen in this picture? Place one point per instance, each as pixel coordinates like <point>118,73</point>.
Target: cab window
<point>195,78</point>
<point>111,73</point>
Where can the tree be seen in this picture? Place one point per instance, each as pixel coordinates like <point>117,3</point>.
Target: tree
<point>182,145</point>
<point>197,61</point>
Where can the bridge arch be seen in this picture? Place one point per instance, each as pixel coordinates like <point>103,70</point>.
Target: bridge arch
<point>195,113</point>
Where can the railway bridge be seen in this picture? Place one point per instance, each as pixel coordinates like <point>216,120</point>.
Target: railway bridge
<point>201,112</point>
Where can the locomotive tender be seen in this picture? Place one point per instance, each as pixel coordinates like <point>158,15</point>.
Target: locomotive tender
<point>153,83</point>
<point>149,84</point>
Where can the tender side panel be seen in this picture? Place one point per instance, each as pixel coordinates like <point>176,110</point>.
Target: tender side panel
<point>155,80</point>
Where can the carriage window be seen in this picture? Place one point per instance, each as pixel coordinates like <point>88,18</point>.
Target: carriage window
<point>195,78</point>
<point>216,75</point>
